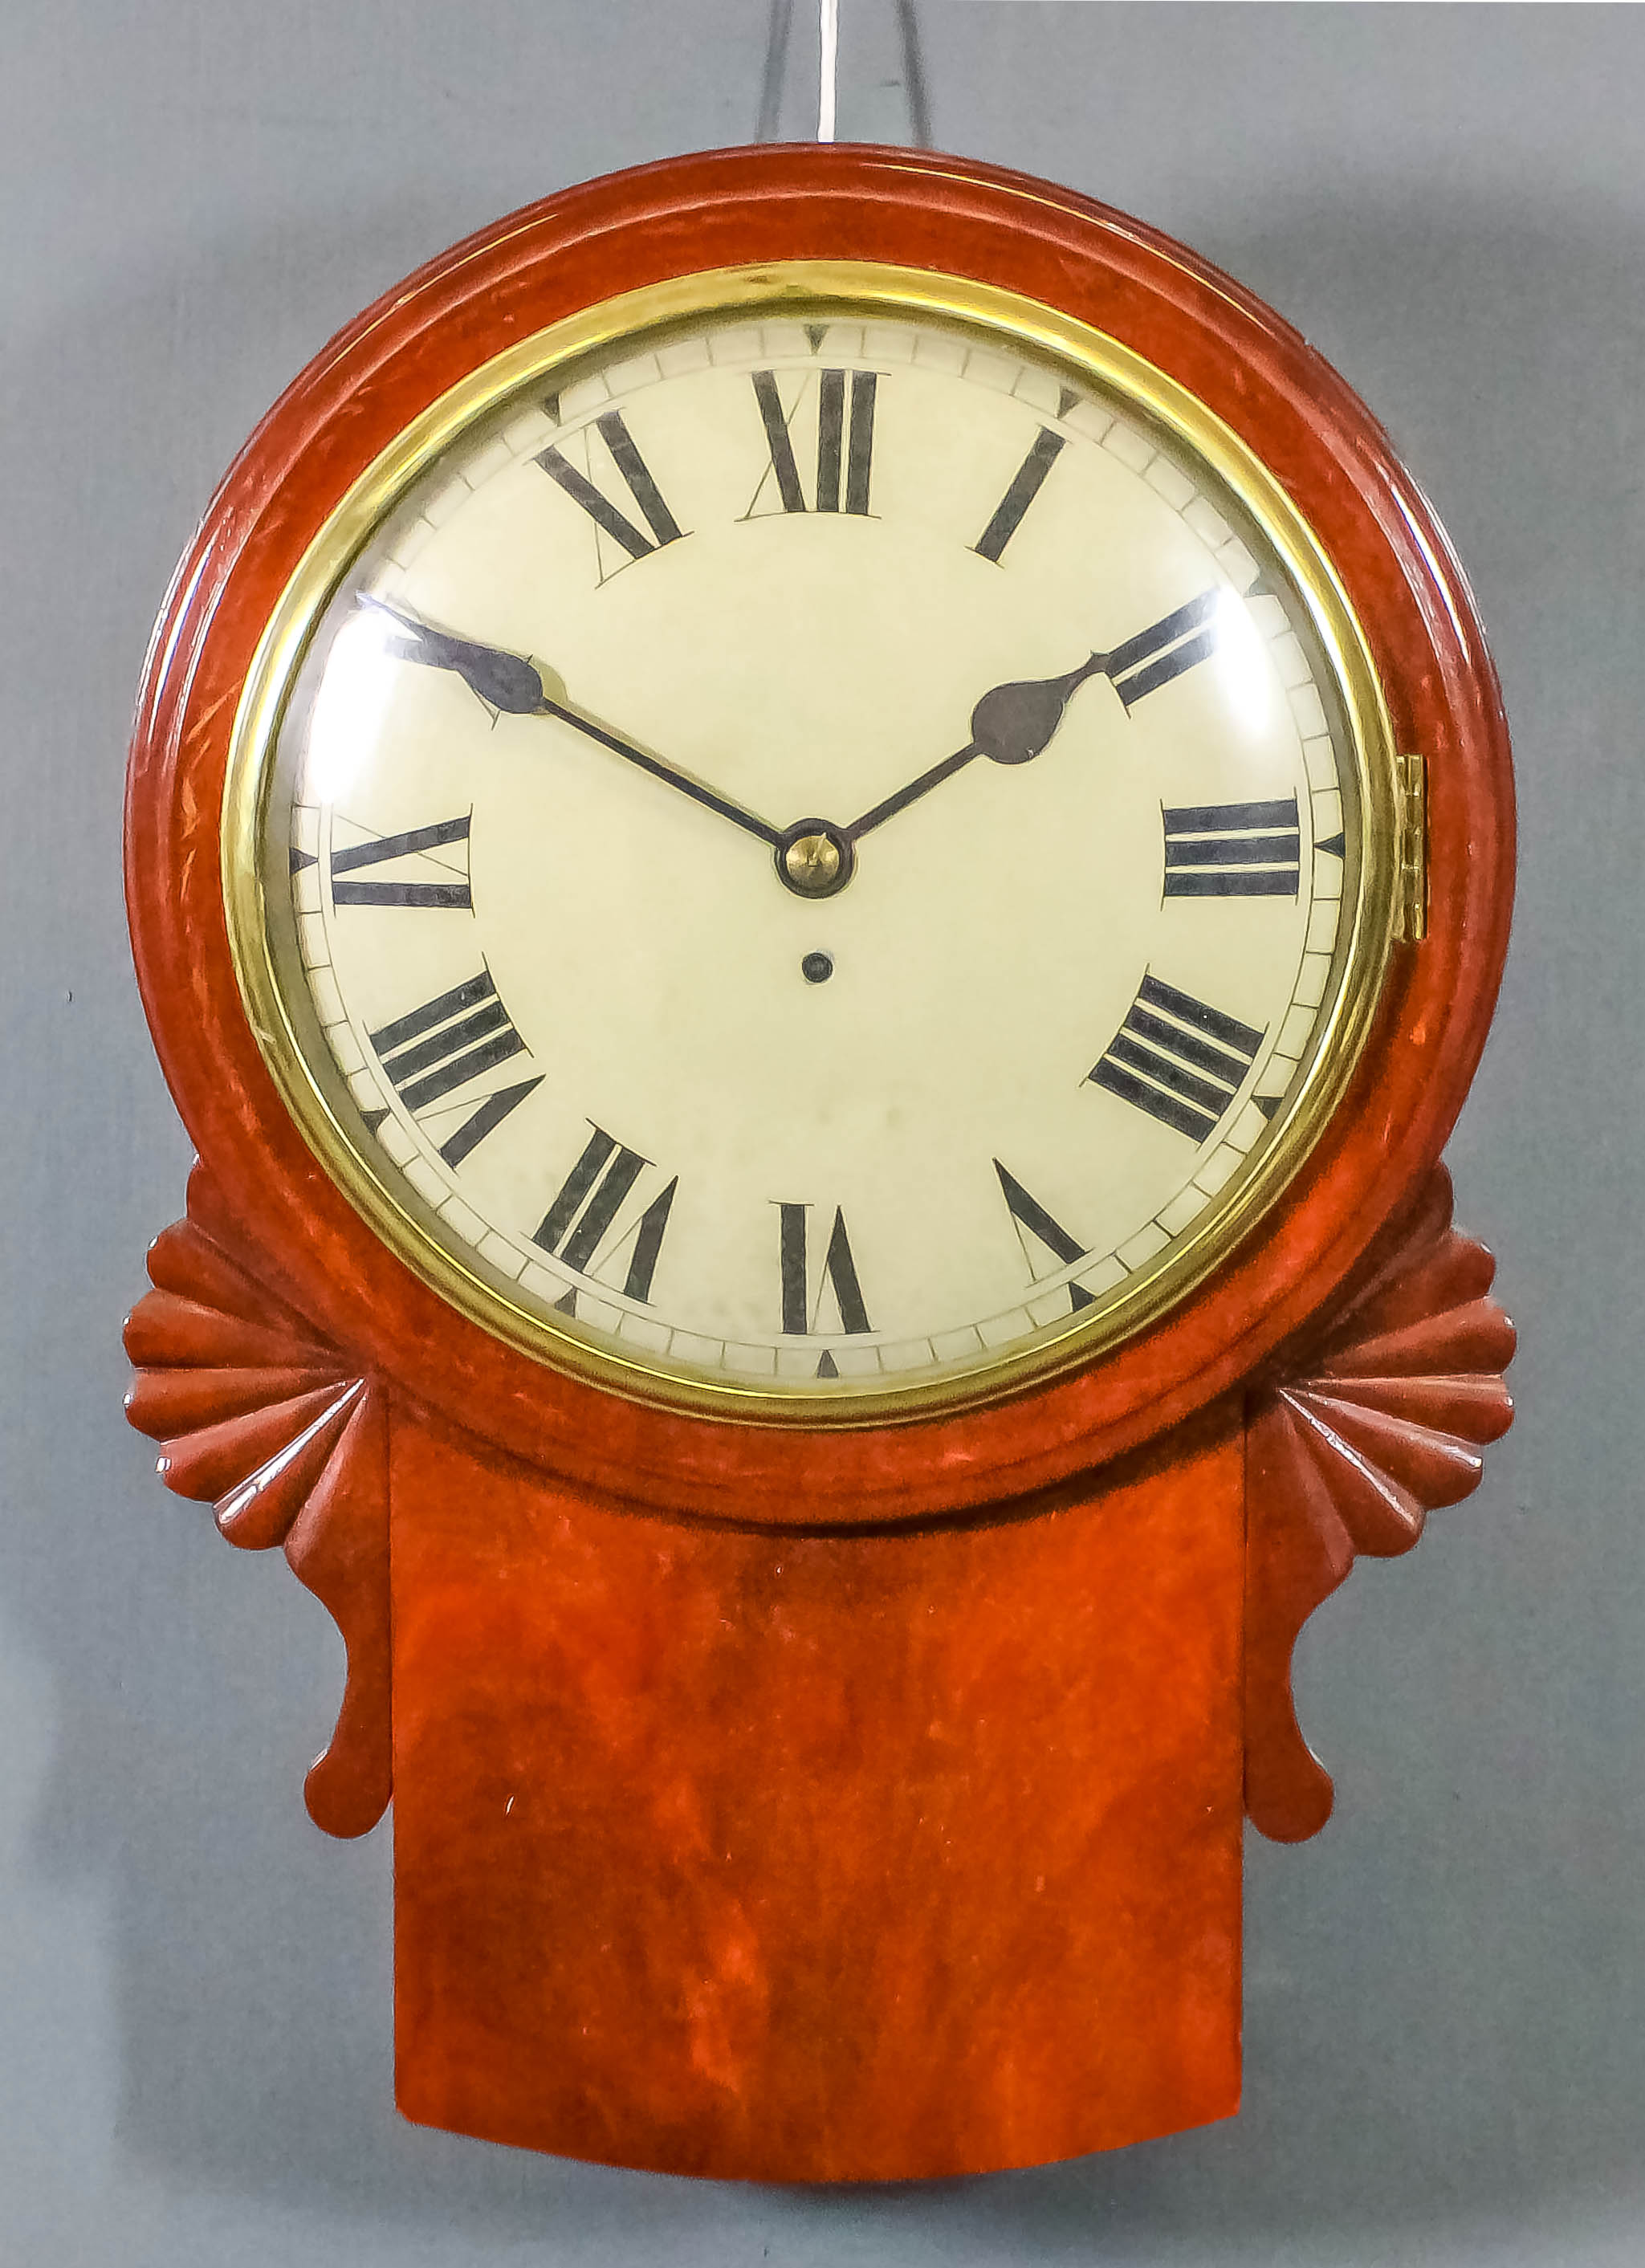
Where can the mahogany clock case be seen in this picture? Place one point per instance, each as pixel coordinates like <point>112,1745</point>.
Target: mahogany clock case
<point>1441,2028</point>
<point>729,210</point>
<point>424,1476</point>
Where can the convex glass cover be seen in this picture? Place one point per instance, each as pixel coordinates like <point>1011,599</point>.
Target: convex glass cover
<point>812,843</point>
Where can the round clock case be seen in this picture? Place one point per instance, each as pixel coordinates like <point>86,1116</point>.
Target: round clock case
<point>955,229</point>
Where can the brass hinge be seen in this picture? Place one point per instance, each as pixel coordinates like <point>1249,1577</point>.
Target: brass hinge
<point>1410,917</point>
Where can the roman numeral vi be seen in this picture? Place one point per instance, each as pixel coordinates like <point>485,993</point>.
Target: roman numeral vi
<point>801,1298</point>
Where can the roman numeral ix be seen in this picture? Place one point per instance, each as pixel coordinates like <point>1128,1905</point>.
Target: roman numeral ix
<point>445,1045</point>
<point>641,487</point>
<point>1177,1059</point>
<point>384,848</point>
<point>1232,850</point>
<point>589,1200</point>
<point>845,451</point>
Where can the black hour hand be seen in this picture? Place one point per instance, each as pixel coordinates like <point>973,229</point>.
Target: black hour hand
<point>511,683</point>
<point>503,681</point>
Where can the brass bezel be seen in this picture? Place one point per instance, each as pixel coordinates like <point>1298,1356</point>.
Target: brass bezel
<point>840,287</point>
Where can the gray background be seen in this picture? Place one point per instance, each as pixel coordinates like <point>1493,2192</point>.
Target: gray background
<point>1446,2055</point>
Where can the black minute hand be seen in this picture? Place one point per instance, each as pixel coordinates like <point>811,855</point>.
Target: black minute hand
<point>511,683</point>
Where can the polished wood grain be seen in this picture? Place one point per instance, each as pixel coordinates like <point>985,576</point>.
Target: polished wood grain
<point>260,1415</point>
<point>816,1858</point>
<point>1381,1419</point>
<point>726,209</point>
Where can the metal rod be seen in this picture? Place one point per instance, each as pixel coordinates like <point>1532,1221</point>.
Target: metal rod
<point>828,93</point>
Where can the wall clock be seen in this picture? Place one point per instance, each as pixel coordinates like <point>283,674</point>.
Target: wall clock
<point>819,844</point>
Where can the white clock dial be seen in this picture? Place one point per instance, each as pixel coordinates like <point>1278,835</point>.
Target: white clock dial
<point>814,858</point>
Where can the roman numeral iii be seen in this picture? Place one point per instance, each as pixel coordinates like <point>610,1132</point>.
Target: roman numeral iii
<point>586,1205</point>
<point>801,1297</point>
<point>1177,1059</point>
<point>844,462</point>
<point>636,475</point>
<point>446,1045</point>
<point>1232,850</point>
<point>384,849</point>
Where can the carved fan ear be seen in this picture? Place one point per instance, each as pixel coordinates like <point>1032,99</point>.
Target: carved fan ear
<point>1385,1423</point>
<point>265,1418</point>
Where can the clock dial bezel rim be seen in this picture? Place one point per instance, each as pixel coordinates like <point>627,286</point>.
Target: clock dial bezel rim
<point>637,321</point>
<point>740,208</point>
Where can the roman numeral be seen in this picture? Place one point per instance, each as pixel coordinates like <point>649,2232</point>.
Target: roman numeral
<point>1232,850</point>
<point>641,487</point>
<point>1176,1059</point>
<point>1163,650</point>
<point>589,1200</point>
<point>800,1298</point>
<point>446,1044</point>
<point>843,453</point>
<point>382,849</point>
<point>1029,1217</point>
<point>1025,486</point>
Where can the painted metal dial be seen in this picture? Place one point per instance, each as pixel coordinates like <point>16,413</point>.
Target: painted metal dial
<point>816,857</point>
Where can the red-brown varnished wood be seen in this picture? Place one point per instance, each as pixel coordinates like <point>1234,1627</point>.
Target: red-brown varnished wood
<point>260,1416</point>
<point>728,208</point>
<point>808,1857</point>
<point>1359,1435</point>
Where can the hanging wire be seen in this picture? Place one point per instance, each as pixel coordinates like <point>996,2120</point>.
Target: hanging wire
<point>778,27</point>
<point>914,75</point>
<point>828,69</point>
